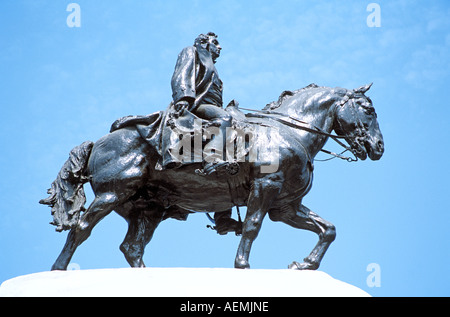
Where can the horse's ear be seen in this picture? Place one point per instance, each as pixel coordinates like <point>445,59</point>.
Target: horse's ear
<point>363,89</point>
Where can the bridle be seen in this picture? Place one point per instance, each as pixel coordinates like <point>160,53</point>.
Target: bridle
<point>361,131</point>
<point>302,125</point>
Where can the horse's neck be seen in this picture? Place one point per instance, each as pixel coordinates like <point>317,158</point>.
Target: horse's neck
<point>316,108</point>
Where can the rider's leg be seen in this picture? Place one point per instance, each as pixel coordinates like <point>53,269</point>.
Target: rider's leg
<point>223,220</point>
<point>213,155</point>
<point>211,112</point>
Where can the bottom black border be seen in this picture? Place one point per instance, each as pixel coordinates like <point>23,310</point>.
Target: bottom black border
<point>214,306</point>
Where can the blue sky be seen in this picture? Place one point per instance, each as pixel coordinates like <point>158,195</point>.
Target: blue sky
<point>61,86</point>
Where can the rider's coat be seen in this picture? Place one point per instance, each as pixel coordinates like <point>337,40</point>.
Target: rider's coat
<point>196,78</point>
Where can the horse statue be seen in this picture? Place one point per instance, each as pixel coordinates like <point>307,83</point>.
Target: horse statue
<point>122,170</point>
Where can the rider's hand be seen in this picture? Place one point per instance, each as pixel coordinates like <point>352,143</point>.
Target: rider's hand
<point>181,105</point>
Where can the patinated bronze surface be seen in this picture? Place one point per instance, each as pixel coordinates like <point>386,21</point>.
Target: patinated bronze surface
<point>264,161</point>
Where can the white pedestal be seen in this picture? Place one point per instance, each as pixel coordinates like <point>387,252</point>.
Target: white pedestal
<point>179,282</point>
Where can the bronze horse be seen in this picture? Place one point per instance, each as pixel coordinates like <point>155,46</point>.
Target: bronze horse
<point>121,170</point>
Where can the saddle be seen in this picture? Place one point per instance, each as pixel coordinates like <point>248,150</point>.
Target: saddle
<point>181,139</point>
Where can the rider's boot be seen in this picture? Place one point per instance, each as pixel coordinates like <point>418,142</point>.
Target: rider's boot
<point>224,223</point>
<point>213,160</point>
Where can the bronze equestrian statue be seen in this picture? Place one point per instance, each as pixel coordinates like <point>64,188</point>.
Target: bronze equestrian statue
<point>127,172</point>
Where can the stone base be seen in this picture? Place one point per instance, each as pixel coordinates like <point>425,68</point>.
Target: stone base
<point>179,282</point>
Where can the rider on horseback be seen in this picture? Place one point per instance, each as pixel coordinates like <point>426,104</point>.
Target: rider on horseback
<point>196,87</point>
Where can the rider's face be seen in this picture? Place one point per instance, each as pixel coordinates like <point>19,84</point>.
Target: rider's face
<point>214,48</point>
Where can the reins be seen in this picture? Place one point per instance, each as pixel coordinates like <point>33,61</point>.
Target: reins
<point>316,130</point>
<point>270,115</point>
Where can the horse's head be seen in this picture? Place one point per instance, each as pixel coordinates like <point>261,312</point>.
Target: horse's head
<point>357,122</point>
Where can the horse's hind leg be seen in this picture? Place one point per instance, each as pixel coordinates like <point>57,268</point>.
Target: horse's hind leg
<point>306,219</point>
<point>101,206</point>
<point>140,231</point>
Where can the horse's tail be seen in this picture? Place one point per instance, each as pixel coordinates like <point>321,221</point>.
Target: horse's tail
<point>67,196</point>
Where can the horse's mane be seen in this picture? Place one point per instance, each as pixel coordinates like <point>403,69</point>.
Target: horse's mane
<point>341,91</point>
<point>286,94</point>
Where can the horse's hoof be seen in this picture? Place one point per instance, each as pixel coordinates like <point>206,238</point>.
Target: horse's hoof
<point>58,268</point>
<point>294,266</point>
<point>241,264</point>
<point>302,266</point>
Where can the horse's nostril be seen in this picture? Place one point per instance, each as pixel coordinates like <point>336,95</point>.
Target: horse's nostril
<point>380,145</point>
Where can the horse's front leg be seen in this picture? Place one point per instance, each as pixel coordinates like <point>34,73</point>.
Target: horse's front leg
<point>304,218</point>
<point>262,195</point>
<point>327,234</point>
